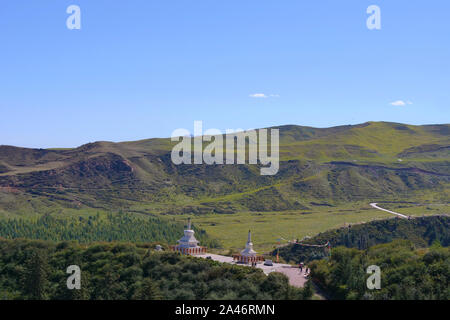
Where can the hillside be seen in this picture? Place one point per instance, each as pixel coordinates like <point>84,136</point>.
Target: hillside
<point>422,232</point>
<point>374,160</point>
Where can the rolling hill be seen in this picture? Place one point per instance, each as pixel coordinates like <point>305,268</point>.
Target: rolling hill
<point>319,166</point>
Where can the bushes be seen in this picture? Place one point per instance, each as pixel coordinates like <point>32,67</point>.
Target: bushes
<point>421,231</point>
<point>406,272</point>
<point>37,270</point>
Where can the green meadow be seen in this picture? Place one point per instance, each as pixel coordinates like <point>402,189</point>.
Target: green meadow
<point>267,227</point>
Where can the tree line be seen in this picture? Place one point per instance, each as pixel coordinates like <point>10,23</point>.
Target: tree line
<point>112,227</point>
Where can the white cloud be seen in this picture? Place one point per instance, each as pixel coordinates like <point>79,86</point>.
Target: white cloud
<point>400,103</point>
<point>264,96</point>
<point>258,95</point>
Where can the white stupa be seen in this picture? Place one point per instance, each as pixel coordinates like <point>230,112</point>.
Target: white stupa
<point>248,251</point>
<point>188,244</point>
<point>188,240</point>
<point>248,255</point>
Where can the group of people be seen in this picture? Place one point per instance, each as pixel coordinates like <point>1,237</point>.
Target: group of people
<point>301,266</point>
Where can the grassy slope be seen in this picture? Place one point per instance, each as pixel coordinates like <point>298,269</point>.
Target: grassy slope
<point>423,232</point>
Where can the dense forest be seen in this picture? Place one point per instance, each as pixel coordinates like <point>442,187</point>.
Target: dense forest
<point>407,273</point>
<point>422,232</point>
<point>37,270</point>
<point>113,227</point>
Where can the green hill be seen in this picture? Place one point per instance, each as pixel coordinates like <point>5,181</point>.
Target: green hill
<point>375,160</point>
<point>422,232</point>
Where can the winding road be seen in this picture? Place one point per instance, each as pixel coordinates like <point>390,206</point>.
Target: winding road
<point>396,213</point>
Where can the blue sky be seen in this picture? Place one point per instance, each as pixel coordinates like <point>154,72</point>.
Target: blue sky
<point>141,69</point>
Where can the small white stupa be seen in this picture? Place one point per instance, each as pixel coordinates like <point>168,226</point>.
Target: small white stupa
<point>188,244</point>
<point>188,240</point>
<point>248,251</point>
<point>248,255</point>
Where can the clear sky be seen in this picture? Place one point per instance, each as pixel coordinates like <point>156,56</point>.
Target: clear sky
<point>141,69</point>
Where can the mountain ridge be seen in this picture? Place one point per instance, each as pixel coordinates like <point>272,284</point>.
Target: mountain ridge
<point>342,163</point>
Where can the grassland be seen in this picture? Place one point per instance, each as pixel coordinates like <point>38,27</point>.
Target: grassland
<point>268,227</point>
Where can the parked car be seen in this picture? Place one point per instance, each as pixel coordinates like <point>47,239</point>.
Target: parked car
<point>268,263</point>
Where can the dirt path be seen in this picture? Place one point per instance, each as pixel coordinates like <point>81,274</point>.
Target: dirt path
<point>396,213</point>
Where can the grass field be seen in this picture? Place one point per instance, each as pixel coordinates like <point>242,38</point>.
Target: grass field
<point>417,209</point>
<point>231,230</point>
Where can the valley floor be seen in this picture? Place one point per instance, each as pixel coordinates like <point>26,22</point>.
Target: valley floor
<point>268,227</point>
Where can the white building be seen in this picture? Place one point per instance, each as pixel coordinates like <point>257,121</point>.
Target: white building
<point>248,255</point>
<point>188,244</point>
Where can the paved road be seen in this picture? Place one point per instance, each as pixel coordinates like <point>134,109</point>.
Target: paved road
<point>295,278</point>
<point>396,213</point>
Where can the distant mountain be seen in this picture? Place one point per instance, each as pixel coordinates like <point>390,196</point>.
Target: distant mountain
<point>374,160</point>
